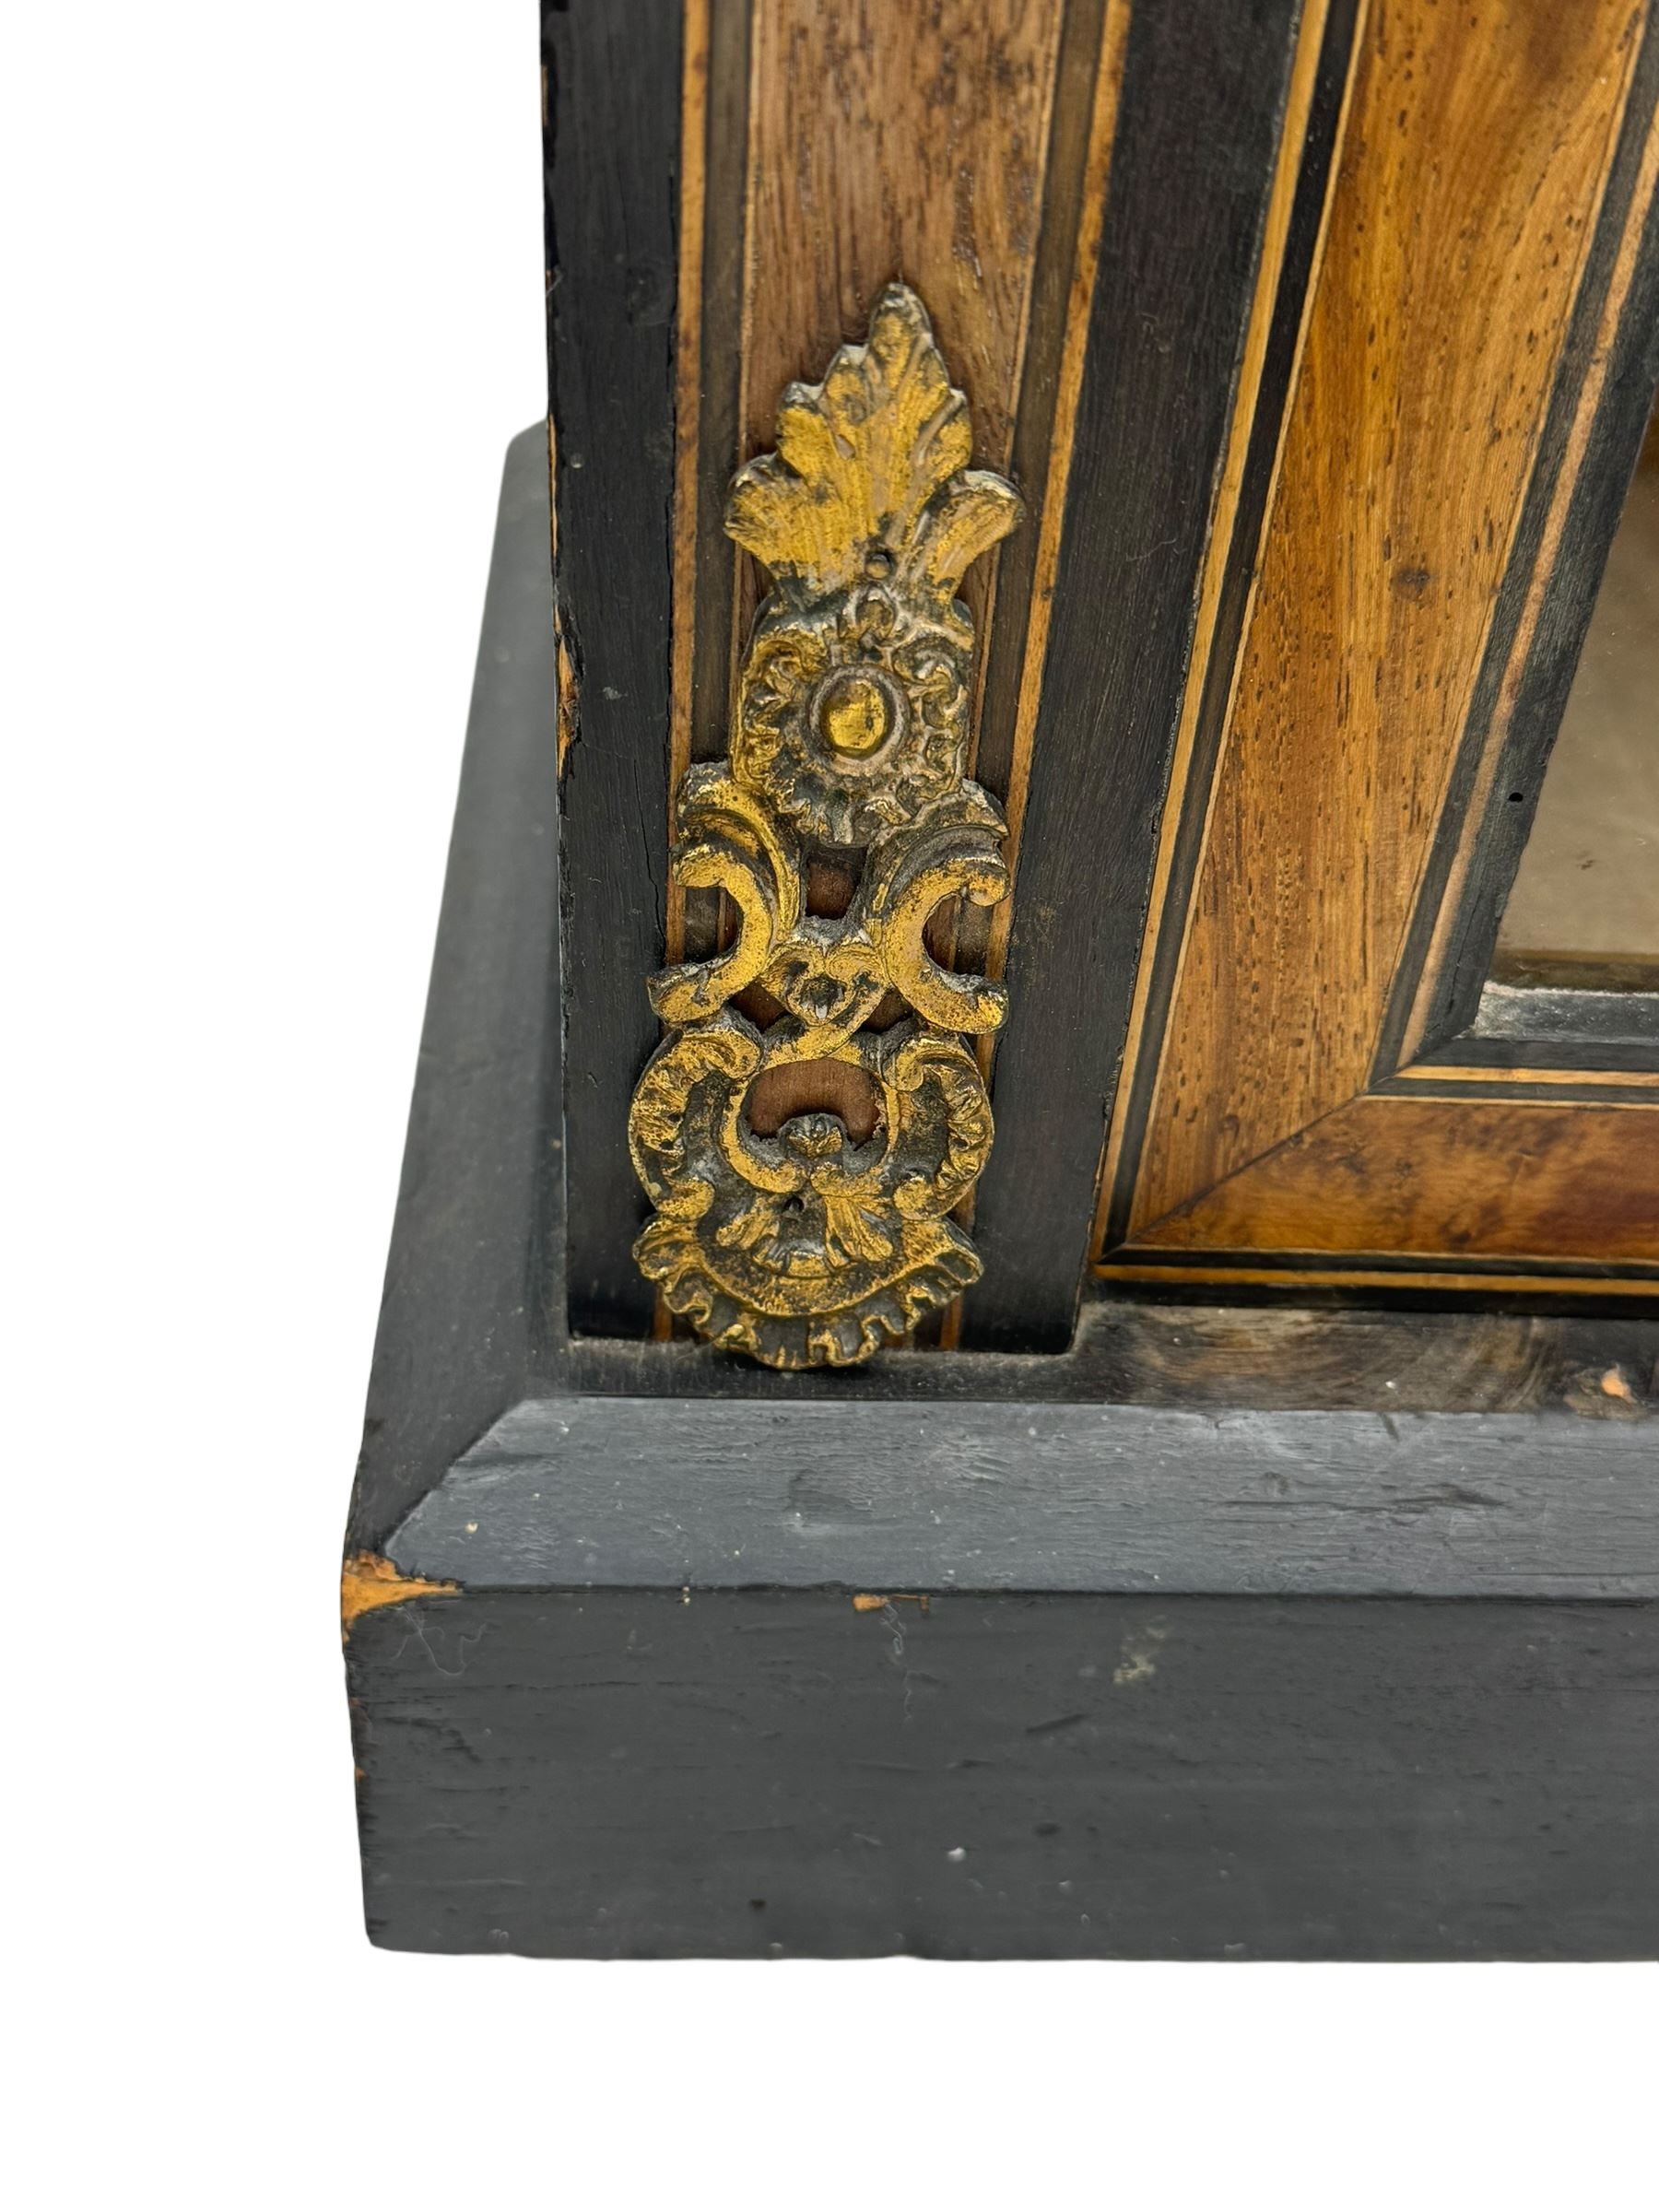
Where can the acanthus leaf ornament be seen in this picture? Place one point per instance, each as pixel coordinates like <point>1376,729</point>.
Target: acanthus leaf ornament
<point>811,1246</point>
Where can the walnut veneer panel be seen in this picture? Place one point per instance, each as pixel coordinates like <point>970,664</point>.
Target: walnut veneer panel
<point>895,142</point>
<point>1449,1177</point>
<point>1471,175</point>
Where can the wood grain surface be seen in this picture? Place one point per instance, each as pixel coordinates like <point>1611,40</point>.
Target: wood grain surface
<point>1477,144</point>
<point>894,142</point>
<point>1316,104</point>
<point>863,142</point>
<point>1603,401</point>
<point>708,375</point>
<point>1527,1179</point>
<point>756,1773</point>
<point>1079,177</point>
<point>689,376</point>
<point>1442,1286</point>
<point>648,1492</point>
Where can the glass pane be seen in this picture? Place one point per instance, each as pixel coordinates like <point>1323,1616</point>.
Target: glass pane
<point>1585,909</point>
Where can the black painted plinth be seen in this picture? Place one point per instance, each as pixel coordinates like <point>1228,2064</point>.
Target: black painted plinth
<point>1345,1649</point>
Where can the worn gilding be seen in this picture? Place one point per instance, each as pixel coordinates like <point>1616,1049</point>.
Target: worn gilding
<point>847,763</point>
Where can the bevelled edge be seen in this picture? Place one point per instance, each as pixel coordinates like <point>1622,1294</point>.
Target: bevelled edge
<point>607,1492</point>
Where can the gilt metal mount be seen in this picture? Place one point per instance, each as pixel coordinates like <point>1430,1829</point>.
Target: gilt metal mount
<point>821,1241</point>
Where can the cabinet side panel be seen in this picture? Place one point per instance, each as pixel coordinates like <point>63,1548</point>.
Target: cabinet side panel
<point>613,112</point>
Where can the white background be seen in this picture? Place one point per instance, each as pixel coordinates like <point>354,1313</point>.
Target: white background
<point>273,296</point>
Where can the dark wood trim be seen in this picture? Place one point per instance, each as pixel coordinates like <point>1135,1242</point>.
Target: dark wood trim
<point>752,1773</point>
<point>664,1493</point>
<point>1514,1027</point>
<point>719,446</point>
<point>467,1277</point>
<point>1197,140</point>
<point>1551,657</point>
<point>1520,1029</point>
<point>612,169</point>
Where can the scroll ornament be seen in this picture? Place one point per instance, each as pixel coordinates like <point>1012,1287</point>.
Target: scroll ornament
<point>814,1245</point>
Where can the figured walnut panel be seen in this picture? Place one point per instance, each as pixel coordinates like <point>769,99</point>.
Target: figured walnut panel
<point>1478,139</point>
<point>1462,1177</point>
<point>887,140</point>
<point>895,141</point>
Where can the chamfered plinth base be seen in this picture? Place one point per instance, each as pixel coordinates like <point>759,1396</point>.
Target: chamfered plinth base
<point>1226,1634</point>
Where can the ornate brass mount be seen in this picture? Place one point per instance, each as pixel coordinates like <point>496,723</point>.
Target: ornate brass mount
<point>814,1244</point>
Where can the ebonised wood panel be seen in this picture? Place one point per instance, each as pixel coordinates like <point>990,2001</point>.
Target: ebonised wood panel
<point>759,1773</point>
<point>653,1491</point>
<point>612,195</point>
<point>461,1317</point>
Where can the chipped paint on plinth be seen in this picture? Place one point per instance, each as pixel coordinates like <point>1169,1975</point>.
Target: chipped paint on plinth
<point>367,1580</point>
